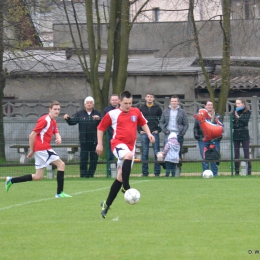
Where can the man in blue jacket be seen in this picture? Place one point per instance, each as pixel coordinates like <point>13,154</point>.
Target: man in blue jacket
<point>87,120</point>
<point>152,113</point>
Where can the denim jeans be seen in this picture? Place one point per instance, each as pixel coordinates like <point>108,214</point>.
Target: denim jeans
<point>180,140</point>
<point>145,153</point>
<point>170,168</point>
<point>205,165</point>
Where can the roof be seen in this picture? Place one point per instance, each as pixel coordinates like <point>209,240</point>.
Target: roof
<point>47,63</point>
<point>237,83</point>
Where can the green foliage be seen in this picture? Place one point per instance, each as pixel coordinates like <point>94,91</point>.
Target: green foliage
<point>176,218</point>
<point>18,18</point>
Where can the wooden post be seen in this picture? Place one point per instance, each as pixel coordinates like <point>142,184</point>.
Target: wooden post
<point>254,118</point>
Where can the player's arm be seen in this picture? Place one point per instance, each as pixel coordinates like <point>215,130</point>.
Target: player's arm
<point>99,148</point>
<point>147,131</point>
<point>57,138</point>
<point>31,144</point>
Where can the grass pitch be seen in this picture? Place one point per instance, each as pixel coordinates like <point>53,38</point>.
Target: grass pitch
<point>176,218</point>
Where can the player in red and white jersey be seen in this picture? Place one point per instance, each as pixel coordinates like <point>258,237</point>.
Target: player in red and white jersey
<point>124,122</point>
<point>45,128</point>
<point>39,142</point>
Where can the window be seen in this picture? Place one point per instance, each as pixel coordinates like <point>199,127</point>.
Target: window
<point>246,9</point>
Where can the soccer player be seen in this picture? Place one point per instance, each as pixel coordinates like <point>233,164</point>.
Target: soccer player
<point>40,148</point>
<point>124,121</point>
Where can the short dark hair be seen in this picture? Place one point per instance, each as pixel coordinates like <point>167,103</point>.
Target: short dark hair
<point>150,93</point>
<point>114,95</point>
<point>125,94</point>
<point>54,103</point>
<point>175,96</point>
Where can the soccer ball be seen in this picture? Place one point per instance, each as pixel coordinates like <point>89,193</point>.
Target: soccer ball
<point>207,174</point>
<point>132,196</point>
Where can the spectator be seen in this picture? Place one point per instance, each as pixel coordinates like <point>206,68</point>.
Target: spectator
<point>114,103</point>
<point>174,119</point>
<point>124,121</point>
<point>240,118</point>
<point>40,148</point>
<point>198,135</point>
<point>171,154</point>
<point>152,114</point>
<point>87,120</point>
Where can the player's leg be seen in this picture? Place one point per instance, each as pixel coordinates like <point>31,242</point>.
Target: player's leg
<point>60,178</point>
<point>126,169</point>
<point>39,165</point>
<point>11,180</point>
<point>120,152</point>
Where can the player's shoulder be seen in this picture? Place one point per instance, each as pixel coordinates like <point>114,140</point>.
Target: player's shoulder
<point>135,109</point>
<point>115,111</point>
<point>43,117</point>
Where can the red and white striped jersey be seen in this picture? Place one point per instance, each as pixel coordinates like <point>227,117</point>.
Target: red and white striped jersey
<point>124,126</point>
<point>45,128</point>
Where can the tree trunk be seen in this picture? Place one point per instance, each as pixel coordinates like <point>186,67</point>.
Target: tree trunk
<point>110,51</point>
<point>117,44</point>
<point>225,59</point>
<point>94,58</point>
<point>2,82</point>
<point>201,62</point>
<point>124,48</point>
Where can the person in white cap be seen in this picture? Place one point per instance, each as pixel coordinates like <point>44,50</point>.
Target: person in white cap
<point>171,154</point>
<point>87,120</point>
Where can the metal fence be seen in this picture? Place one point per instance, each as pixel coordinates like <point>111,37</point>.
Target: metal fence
<point>17,130</point>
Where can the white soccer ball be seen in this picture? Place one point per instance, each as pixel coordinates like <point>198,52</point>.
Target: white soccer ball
<point>132,196</point>
<point>207,174</point>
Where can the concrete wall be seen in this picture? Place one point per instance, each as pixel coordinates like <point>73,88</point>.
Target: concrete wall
<point>76,88</point>
<point>47,88</point>
<point>174,39</point>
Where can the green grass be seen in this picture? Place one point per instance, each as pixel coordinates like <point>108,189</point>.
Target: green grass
<point>176,218</point>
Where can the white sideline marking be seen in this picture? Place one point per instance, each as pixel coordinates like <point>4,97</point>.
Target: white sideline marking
<point>53,198</point>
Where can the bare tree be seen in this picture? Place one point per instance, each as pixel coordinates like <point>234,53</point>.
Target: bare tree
<point>225,69</point>
<point>119,27</point>
<point>13,14</point>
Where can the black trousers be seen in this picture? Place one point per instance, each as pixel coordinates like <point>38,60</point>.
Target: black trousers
<point>245,145</point>
<point>88,159</point>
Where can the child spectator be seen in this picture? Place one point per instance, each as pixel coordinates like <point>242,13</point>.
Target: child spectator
<point>171,154</point>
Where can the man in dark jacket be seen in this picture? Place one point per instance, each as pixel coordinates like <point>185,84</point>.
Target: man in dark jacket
<point>198,135</point>
<point>152,113</point>
<point>87,120</point>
